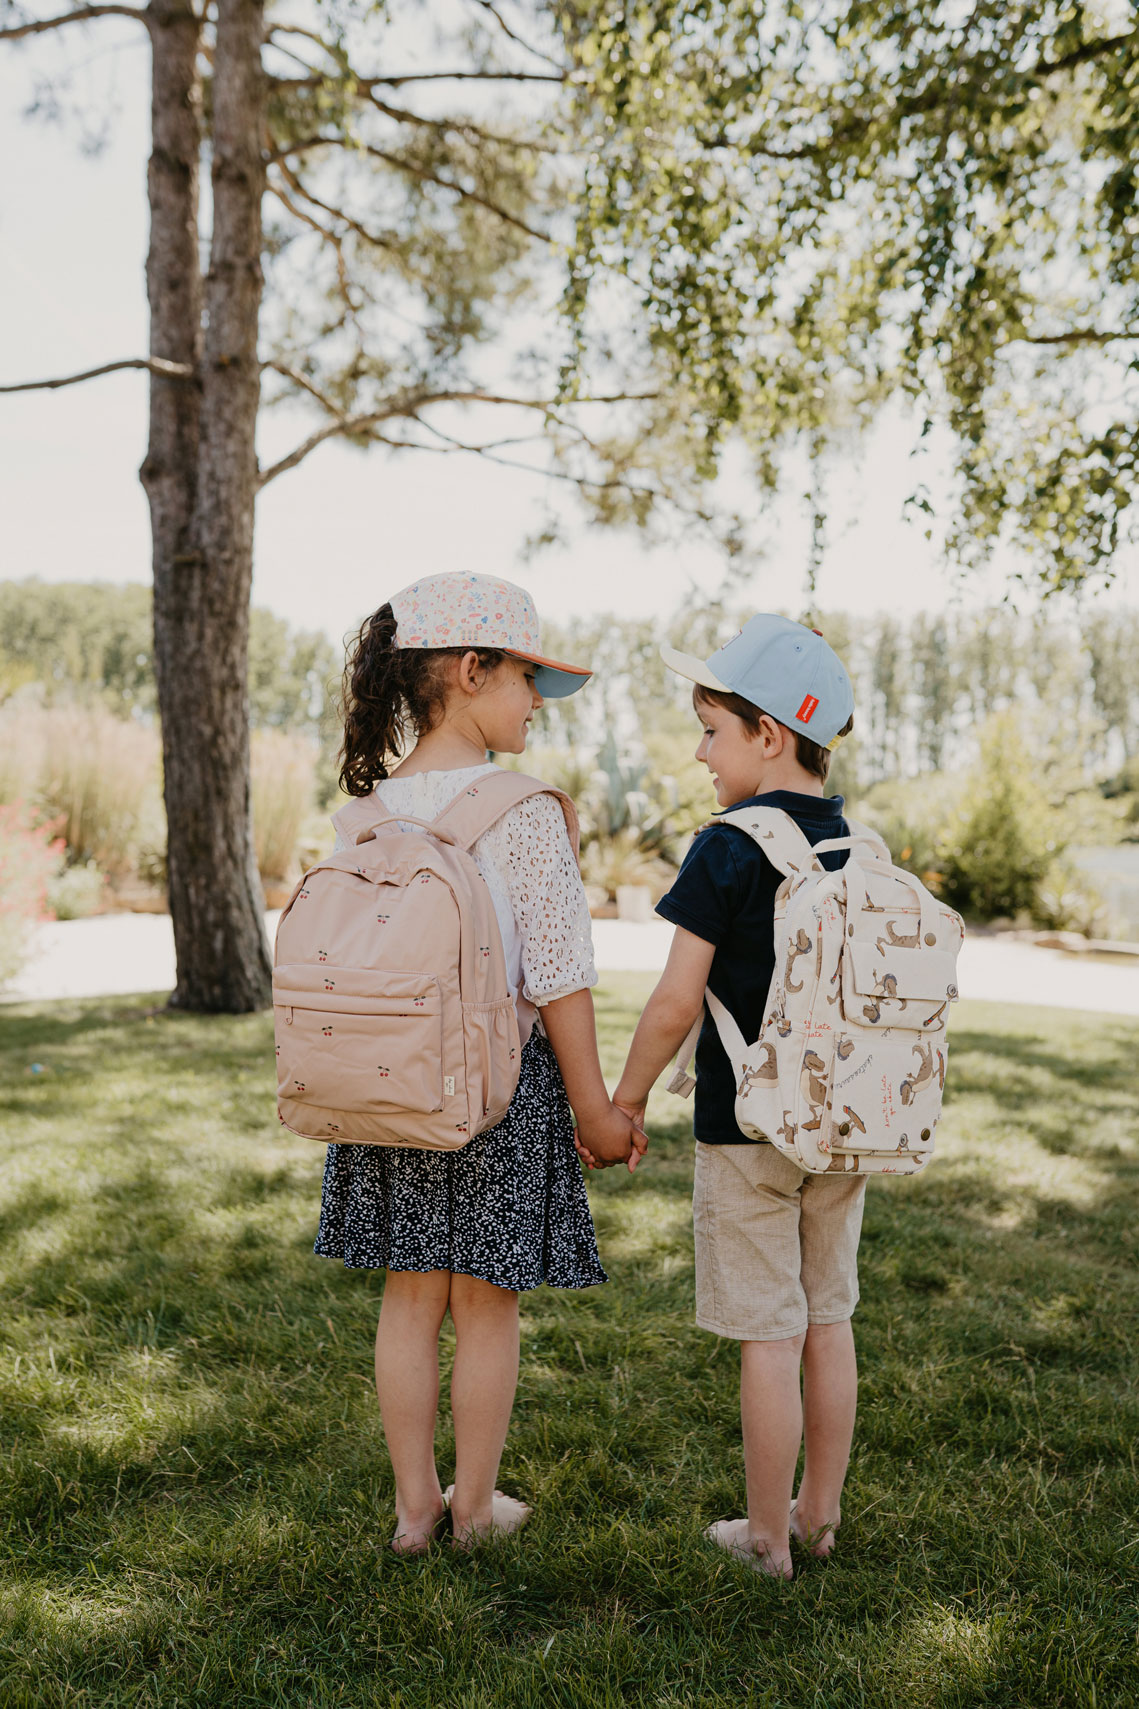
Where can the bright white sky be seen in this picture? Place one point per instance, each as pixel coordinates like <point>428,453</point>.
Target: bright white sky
<point>338,534</point>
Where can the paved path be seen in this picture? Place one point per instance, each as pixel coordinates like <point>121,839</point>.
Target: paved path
<point>115,954</point>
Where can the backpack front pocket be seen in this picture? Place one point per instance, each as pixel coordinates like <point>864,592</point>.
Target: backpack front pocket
<point>361,1052</point>
<point>885,1093</point>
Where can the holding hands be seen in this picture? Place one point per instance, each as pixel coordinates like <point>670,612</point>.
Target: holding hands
<point>613,1135</point>
<point>670,1012</point>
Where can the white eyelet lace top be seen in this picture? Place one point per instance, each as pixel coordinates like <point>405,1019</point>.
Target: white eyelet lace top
<point>532,876</point>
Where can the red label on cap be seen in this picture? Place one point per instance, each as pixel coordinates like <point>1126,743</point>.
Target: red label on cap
<point>807,711</point>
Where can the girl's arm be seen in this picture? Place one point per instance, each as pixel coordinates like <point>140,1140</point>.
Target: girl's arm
<point>669,1014</point>
<point>602,1130</point>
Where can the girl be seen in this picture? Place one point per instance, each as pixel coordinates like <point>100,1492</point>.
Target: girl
<point>454,660</point>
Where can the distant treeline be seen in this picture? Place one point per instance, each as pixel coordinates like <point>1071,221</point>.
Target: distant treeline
<point>924,685</point>
<point>95,639</point>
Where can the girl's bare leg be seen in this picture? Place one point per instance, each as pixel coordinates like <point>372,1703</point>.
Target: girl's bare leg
<point>830,1397</point>
<point>483,1382</point>
<point>407,1383</point>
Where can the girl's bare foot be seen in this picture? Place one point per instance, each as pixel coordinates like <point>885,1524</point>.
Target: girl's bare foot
<point>732,1535</point>
<point>414,1534</point>
<point>819,1539</point>
<point>506,1516</point>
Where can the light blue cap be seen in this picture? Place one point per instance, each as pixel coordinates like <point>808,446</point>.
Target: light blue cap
<point>785,669</point>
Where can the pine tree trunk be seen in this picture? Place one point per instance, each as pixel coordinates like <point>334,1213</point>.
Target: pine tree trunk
<point>200,476</point>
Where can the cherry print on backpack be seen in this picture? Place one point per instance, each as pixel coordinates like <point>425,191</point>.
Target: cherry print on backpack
<point>450,1031</point>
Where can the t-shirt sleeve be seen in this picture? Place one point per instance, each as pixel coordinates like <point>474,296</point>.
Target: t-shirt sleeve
<point>547,899</point>
<point>705,896</point>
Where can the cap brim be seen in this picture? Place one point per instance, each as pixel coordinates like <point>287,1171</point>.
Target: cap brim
<point>553,679</point>
<point>688,665</point>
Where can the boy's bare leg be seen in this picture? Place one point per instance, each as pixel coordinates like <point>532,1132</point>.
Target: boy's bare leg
<point>407,1383</point>
<point>483,1382</point>
<point>771,1412</point>
<point>830,1397</point>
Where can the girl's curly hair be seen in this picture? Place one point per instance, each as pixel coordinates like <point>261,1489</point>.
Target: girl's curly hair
<point>390,692</point>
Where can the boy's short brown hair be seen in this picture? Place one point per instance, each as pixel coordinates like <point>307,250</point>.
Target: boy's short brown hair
<point>810,756</point>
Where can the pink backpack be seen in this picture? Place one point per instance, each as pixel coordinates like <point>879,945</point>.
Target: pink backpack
<point>394,1020</point>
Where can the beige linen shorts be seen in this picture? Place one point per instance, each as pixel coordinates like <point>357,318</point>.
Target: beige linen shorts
<point>776,1248</point>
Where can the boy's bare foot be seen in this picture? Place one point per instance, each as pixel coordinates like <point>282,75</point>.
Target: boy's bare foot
<point>415,1534</point>
<point>507,1515</point>
<point>819,1539</point>
<point>732,1535</point>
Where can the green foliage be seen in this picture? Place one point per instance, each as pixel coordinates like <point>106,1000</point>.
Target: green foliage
<point>76,892</point>
<point>991,838</point>
<point>293,676</point>
<point>912,816</point>
<point>813,206</point>
<point>76,638</point>
<point>196,1497</point>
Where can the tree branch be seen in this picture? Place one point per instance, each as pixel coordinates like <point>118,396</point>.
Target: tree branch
<point>366,84</point>
<point>152,364</point>
<point>361,231</point>
<point>409,406</point>
<point>1081,55</point>
<point>305,385</point>
<point>460,127</point>
<point>81,15</point>
<point>1078,335</point>
<point>421,172</point>
<point>584,483</point>
<point>488,6</point>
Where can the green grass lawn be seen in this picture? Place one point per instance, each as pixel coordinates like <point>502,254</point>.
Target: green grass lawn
<point>194,1495</point>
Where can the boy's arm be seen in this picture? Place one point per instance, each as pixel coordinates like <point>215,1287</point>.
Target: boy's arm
<point>572,1031</point>
<point>668,1017</point>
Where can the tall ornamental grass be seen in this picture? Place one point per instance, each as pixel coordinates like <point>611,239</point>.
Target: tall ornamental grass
<point>96,776</point>
<point>284,770</point>
<point>29,856</point>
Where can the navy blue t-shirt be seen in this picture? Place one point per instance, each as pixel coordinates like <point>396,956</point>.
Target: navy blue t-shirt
<point>725,894</point>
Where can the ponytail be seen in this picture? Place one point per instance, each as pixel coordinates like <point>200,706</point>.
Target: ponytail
<point>389,692</point>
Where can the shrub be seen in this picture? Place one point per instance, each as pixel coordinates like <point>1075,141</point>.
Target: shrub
<point>76,892</point>
<point>1005,833</point>
<point>284,767</point>
<point>912,818</point>
<point>609,862</point>
<point>29,856</point>
<point>1067,901</point>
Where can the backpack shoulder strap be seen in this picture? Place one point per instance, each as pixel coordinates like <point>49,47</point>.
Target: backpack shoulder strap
<point>777,834</point>
<point>479,806</point>
<point>366,813</point>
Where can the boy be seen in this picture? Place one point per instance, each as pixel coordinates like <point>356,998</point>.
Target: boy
<point>776,1249</point>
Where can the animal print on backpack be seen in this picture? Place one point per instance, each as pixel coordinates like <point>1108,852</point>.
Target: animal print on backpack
<point>848,1070</point>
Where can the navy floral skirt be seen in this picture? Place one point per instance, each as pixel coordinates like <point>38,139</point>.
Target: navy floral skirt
<point>509,1208</point>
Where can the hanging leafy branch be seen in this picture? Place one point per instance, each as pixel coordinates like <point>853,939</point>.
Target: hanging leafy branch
<point>845,200</point>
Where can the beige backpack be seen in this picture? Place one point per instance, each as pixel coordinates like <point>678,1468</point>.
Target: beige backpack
<point>849,1067</point>
<point>394,1020</point>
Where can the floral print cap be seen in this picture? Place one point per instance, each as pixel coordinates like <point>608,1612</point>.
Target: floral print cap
<point>462,610</point>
